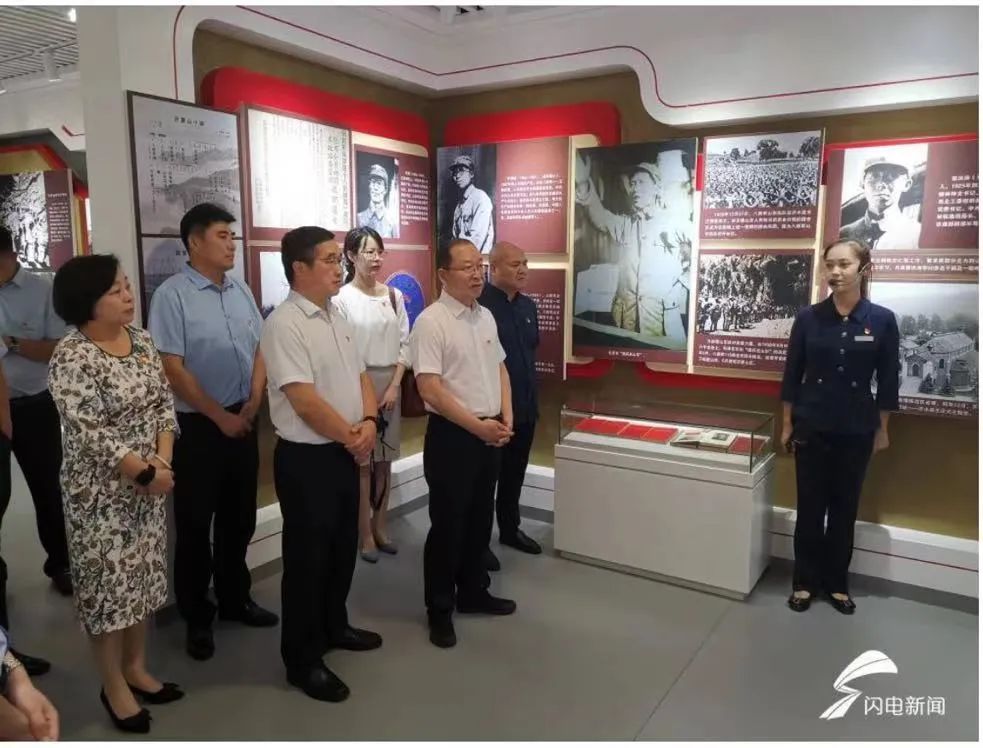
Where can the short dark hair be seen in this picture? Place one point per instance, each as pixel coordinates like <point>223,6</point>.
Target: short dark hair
<point>354,241</point>
<point>445,255</point>
<point>200,217</point>
<point>6,239</point>
<point>80,283</point>
<point>298,245</point>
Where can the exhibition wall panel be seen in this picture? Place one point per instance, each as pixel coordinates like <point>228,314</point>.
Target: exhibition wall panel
<point>937,492</point>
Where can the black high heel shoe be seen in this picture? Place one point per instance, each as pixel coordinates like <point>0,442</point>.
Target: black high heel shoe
<point>165,695</point>
<point>137,723</point>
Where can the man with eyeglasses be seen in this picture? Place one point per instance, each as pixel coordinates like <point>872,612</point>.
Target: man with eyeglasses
<point>206,325</point>
<point>883,225</point>
<point>323,407</point>
<point>460,371</point>
<point>518,331</point>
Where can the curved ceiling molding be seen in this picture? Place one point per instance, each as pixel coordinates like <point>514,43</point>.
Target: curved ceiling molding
<point>696,66</point>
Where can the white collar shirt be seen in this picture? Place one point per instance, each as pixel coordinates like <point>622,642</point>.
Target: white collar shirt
<point>303,343</point>
<point>461,345</point>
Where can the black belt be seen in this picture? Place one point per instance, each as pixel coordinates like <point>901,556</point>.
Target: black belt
<point>29,399</point>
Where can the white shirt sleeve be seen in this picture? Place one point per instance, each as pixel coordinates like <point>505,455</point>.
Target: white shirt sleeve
<point>286,356</point>
<point>426,347</point>
<point>404,330</point>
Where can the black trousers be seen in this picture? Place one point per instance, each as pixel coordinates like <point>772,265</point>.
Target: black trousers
<point>5,499</point>
<point>317,485</point>
<point>511,476</point>
<point>829,475</point>
<point>37,447</point>
<point>460,471</point>
<point>215,478</point>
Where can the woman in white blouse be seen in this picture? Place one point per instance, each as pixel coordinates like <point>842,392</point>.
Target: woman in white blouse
<point>382,333</point>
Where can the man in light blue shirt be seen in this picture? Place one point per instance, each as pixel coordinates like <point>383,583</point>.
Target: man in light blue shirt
<point>206,326</point>
<point>30,330</point>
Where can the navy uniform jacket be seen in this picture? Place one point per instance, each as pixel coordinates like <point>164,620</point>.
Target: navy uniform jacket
<point>831,361</point>
<point>518,331</point>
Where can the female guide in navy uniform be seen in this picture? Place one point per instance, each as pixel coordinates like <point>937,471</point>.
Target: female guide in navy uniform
<point>833,420</point>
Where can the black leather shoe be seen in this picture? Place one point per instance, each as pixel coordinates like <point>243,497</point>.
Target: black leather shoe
<point>200,643</point>
<point>251,615</point>
<point>799,604</point>
<point>356,640</point>
<point>138,723</point>
<point>33,665</point>
<point>442,632</point>
<point>62,581</point>
<point>846,607</point>
<point>165,695</point>
<point>319,683</point>
<point>490,561</point>
<point>487,604</point>
<point>521,542</point>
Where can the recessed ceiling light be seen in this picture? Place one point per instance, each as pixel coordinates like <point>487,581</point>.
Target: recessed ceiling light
<point>72,15</point>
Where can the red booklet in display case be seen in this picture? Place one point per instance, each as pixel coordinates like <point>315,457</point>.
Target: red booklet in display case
<point>660,434</point>
<point>601,426</point>
<point>635,431</point>
<point>742,445</point>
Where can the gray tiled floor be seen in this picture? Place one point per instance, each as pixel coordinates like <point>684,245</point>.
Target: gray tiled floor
<point>591,654</point>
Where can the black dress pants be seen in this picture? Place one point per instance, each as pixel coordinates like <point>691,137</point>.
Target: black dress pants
<point>829,475</point>
<point>460,471</point>
<point>37,447</point>
<point>215,478</point>
<point>317,485</point>
<point>511,476</point>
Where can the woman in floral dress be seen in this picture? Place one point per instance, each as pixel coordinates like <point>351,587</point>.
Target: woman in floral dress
<point>118,423</point>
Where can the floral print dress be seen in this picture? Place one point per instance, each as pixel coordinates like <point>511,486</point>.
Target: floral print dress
<point>117,538</point>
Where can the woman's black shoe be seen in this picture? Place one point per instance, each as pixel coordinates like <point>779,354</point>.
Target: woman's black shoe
<point>165,695</point>
<point>799,604</point>
<point>139,722</point>
<point>846,607</point>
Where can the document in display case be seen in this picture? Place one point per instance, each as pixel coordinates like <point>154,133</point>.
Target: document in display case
<point>676,492</point>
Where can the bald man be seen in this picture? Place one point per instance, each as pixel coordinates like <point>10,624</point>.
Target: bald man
<point>518,330</point>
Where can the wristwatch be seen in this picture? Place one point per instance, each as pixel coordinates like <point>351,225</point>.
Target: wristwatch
<point>146,477</point>
<point>374,419</point>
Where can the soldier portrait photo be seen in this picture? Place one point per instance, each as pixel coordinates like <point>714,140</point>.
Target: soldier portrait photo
<point>377,196</point>
<point>881,203</point>
<point>466,195</point>
<point>633,245</point>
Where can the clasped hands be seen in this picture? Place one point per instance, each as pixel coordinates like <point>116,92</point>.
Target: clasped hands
<point>361,441</point>
<point>495,433</point>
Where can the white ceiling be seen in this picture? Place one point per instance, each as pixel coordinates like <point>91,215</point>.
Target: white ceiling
<point>28,32</point>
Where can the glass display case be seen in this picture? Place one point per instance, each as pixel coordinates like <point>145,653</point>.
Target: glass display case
<point>737,440</point>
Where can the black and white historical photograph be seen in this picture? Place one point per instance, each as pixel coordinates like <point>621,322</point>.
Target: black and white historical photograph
<point>377,193</point>
<point>752,295</point>
<point>763,171</point>
<point>633,245</point>
<point>273,284</point>
<point>183,155</point>
<point>466,179</point>
<point>940,326</point>
<point>23,210</point>
<point>881,201</point>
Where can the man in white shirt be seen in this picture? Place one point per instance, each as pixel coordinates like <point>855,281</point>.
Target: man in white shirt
<point>460,372</point>
<point>323,407</point>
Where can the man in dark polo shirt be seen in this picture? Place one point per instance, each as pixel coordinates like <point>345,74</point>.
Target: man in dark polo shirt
<point>518,331</point>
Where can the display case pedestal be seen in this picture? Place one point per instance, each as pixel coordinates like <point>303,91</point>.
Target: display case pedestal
<point>672,517</point>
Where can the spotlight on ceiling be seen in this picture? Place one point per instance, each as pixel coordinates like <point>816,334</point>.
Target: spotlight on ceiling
<point>50,69</point>
<point>72,15</point>
<point>3,88</point>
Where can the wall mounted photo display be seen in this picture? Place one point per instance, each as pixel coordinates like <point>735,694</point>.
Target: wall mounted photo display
<point>36,207</point>
<point>747,300</point>
<point>183,155</point>
<point>299,174</point>
<point>514,191</point>
<point>761,186</point>
<point>633,250</point>
<point>904,195</point>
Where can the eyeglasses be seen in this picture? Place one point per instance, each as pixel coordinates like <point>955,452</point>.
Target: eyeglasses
<point>373,252</point>
<point>470,269</point>
<point>331,260</point>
